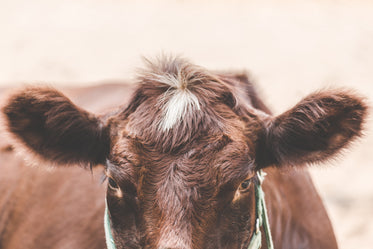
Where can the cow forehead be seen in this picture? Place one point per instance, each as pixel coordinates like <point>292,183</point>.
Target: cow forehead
<point>211,160</point>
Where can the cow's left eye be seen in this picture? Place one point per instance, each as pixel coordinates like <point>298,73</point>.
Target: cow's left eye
<point>113,184</point>
<point>245,185</point>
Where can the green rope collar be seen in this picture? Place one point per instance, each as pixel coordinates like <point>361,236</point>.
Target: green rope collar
<point>261,217</point>
<point>108,234</point>
<point>261,220</point>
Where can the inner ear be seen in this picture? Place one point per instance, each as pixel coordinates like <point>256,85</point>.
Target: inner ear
<point>51,126</point>
<point>316,129</point>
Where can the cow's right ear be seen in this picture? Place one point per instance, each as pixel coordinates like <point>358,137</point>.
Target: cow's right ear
<point>52,127</point>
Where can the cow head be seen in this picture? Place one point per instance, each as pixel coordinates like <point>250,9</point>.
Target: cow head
<point>181,158</point>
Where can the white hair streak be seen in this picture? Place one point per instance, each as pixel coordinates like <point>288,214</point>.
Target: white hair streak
<point>178,101</point>
<point>179,104</point>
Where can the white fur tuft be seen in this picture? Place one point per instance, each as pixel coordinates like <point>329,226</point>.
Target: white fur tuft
<point>179,104</point>
<point>180,76</point>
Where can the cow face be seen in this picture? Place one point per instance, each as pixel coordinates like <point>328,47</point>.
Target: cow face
<point>196,197</point>
<point>181,158</point>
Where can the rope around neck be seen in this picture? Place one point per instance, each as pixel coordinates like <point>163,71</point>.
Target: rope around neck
<point>261,217</point>
<point>261,220</point>
<point>108,234</point>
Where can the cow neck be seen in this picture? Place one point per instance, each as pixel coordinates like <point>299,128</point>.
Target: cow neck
<point>260,221</point>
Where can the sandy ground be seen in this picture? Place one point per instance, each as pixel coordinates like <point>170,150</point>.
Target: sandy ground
<point>291,48</point>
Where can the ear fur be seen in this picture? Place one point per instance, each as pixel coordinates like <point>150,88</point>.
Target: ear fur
<point>316,129</point>
<point>51,126</point>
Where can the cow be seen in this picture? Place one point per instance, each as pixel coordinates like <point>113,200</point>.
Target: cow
<point>182,160</point>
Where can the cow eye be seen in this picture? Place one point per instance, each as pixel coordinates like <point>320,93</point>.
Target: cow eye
<point>245,185</point>
<point>112,184</point>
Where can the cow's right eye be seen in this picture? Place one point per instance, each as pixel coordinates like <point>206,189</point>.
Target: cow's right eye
<point>113,184</point>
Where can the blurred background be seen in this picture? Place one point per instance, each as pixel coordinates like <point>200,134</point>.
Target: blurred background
<point>290,47</point>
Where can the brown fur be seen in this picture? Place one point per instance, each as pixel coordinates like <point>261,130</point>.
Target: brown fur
<point>180,187</point>
<point>55,209</point>
<point>50,125</point>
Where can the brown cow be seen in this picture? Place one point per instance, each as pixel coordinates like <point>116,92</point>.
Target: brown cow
<point>180,160</point>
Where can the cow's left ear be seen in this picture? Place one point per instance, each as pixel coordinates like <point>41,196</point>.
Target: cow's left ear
<point>49,125</point>
<point>316,129</point>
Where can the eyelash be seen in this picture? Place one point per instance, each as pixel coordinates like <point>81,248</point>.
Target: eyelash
<point>103,178</point>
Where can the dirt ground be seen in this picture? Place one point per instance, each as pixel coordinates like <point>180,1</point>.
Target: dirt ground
<point>290,47</point>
